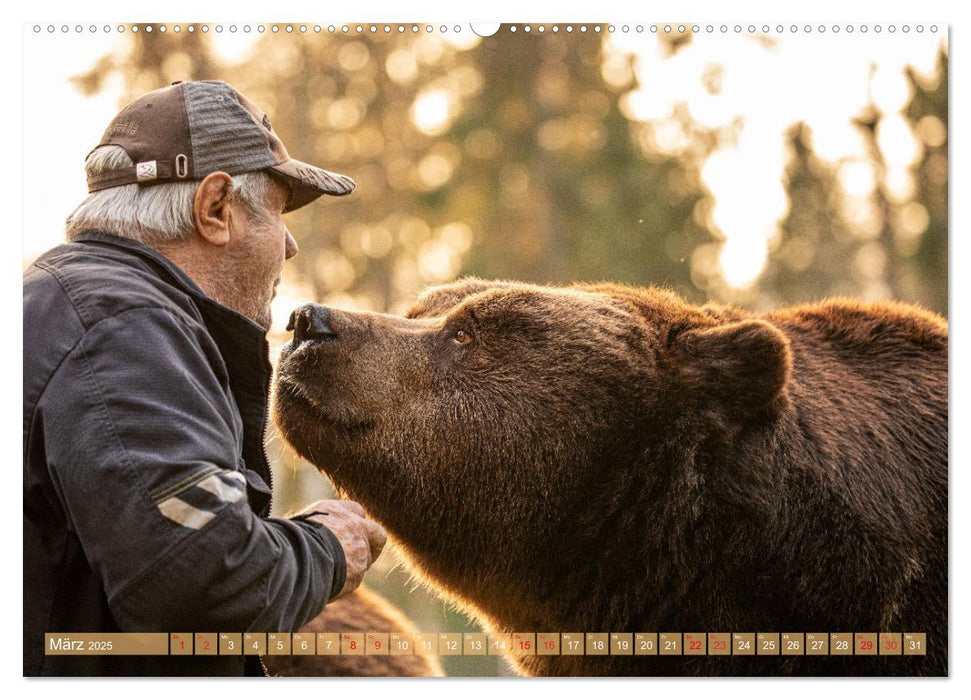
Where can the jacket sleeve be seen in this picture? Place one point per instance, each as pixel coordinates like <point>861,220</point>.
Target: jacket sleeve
<point>143,445</point>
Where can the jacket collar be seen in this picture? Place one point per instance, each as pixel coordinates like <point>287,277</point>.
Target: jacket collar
<point>175,274</point>
<point>241,341</point>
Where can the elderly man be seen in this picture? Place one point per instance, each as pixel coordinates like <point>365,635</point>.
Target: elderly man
<point>146,485</point>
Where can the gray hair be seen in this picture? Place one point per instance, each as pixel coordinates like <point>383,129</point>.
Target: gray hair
<point>155,215</point>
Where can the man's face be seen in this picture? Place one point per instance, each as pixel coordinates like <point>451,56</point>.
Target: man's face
<point>260,247</point>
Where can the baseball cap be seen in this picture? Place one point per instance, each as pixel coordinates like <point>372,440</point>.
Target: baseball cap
<point>191,129</point>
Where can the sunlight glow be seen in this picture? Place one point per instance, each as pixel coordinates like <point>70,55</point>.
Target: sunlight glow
<point>751,92</point>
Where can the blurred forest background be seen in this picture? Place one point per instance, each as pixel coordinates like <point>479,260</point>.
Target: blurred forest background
<point>756,169</point>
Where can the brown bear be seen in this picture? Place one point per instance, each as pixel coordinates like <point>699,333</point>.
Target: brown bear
<point>604,458</point>
<point>360,611</point>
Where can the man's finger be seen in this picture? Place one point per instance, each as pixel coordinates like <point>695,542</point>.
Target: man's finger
<point>354,507</point>
<point>319,506</point>
<point>376,537</point>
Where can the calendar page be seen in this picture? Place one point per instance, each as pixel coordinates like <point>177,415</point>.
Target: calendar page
<point>610,349</point>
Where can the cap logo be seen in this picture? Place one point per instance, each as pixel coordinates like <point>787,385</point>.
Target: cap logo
<point>146,171</point>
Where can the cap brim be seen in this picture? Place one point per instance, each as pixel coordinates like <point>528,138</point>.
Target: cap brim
<point>308,182</point>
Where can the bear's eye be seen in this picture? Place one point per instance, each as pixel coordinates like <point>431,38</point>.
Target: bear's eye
<point>461,336</point>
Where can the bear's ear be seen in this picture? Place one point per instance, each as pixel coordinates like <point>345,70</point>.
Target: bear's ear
<point>436,301</point>
<point>740,368</point>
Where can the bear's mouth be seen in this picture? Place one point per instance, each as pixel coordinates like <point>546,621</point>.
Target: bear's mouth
<point>293,396</point>
<point>294,365</point>
<point>292,392</point>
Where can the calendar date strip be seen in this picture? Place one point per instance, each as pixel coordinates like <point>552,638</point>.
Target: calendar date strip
<point>483,644</point>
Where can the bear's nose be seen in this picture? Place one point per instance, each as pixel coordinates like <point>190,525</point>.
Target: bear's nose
<point>311,322</point>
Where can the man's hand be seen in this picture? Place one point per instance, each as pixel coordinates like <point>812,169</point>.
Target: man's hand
<point>361,539</point>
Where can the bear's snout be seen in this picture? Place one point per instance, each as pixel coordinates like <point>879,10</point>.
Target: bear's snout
<point>311,322</point>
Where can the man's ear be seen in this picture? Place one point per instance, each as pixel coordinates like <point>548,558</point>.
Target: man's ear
<point>738,369</point>
<point>211,210</point>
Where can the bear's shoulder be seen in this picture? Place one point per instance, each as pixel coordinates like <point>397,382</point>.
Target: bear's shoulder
<point>864,323</point>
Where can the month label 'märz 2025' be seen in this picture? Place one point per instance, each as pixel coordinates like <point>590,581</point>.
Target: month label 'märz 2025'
<point>107,644</point>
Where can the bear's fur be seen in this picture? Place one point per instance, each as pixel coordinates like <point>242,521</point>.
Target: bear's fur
<point>603,458</point>
<point>360,611</point>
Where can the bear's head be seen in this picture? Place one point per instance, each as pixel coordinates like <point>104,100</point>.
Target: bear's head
<point>507,434</point>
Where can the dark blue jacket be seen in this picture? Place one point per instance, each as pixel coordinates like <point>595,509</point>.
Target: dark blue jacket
<point>145,478</point>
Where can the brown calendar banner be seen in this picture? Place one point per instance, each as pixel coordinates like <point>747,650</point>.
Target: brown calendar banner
<point>469,644</point>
